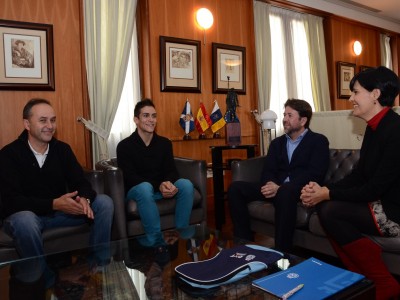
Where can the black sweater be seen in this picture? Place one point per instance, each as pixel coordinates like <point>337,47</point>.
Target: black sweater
<point>26,186</point>
<point>377,174</point>
<point>140,163</point>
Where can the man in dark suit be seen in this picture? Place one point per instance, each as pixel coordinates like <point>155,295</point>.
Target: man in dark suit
<point>292,160</point>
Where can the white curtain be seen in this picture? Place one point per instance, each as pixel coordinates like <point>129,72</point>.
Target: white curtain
<point>123,124</point>
<point>263,53</point>
<point>108,35</point>
<point>386,53</point>
<point>292,38</point>
<point>318,66</point>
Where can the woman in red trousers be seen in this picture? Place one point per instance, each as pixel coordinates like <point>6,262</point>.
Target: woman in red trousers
<point>367,201</point>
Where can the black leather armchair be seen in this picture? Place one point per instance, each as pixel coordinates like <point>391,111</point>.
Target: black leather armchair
<point>309,233</point>
<point>65,238</point>
<point>194,170</point>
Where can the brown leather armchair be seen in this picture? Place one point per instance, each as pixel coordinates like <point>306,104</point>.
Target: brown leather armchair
<point>194,170</point>
<point>66,238</point>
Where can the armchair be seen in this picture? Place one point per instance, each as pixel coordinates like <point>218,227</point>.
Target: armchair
<point>64,238</point>
<point>194,170</point>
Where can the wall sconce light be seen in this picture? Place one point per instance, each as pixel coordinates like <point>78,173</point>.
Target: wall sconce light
<point>205,20</point>
<point>357,48</point>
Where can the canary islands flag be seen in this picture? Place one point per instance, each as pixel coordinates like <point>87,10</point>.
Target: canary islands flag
<point>186,121</point>
<point>216,117</point>
<point>202,121</point>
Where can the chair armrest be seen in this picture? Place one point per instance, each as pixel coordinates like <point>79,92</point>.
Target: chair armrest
<point>107,164</point>
<point>248,170</point>
<point>96,179</point>
<point>196,172</point>
<point>114,187</point>
<point>109,181</point>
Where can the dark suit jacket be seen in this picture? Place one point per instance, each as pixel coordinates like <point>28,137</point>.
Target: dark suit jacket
<point>310,161</point>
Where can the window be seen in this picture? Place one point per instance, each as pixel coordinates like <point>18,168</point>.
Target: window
<point>123,124</point>
<point>290,61</point>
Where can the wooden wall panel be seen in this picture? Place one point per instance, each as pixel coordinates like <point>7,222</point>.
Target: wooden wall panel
<point>67,99</point>
<point>233,25</point>
<point>340,35</point>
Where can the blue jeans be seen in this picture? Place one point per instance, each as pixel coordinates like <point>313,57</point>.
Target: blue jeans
<point>25,227</point>
<point>146,198</point>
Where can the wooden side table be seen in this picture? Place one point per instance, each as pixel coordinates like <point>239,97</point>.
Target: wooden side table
<point>218,177</point>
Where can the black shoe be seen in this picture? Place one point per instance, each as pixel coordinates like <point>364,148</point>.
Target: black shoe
<point>162,255</point>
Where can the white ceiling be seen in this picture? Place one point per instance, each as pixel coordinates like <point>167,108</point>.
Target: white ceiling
<point>388,9</point>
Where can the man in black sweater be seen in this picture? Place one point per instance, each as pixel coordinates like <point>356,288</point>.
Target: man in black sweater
<point>149,171</point>
<point>36,170</point>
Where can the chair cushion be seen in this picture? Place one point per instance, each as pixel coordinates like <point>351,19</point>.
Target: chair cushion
<point>315,226</point>
<point>5,239</point>
<point>389,244</point>
<point>265,211</point>
<point>48,235</point>
<point>165,206</point>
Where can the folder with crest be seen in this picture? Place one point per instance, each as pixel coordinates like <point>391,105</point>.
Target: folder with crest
<point>317,279</point>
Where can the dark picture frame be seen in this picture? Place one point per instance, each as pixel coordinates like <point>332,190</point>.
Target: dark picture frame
<point>228,61</point>
<point>345,72</point>
<point>180,65</point>
<point>26,56</point>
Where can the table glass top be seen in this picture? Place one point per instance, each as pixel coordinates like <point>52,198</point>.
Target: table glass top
<point>133,272</point>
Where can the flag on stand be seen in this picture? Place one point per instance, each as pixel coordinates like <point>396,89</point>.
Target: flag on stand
<point>186,121</point>
<point>216,117</point>
<point>202,121</point>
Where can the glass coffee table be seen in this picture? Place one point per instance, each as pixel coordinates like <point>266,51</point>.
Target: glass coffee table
<point>137,272</point>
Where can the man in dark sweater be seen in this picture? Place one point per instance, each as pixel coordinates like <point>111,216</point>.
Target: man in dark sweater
<point>36,170</point>
<point>149,171</point>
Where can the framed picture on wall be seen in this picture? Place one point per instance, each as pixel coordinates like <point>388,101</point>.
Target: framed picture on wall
<point>26,56</point>
<point>229,68</point>
<point>180,65</point>
<point>345,72</point>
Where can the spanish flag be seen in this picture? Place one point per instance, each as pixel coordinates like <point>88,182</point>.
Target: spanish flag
<point>210,247</point>
<point>202,121</point>
<point>216,117</point>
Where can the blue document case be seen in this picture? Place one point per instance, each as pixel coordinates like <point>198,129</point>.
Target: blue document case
<point>312,279</point>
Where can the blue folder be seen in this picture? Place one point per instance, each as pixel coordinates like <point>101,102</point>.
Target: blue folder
<point>320,280</point>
